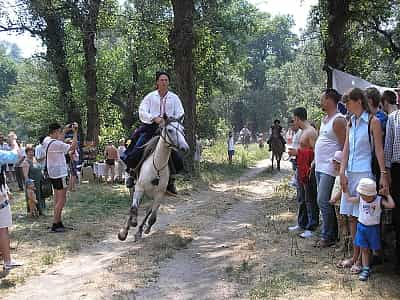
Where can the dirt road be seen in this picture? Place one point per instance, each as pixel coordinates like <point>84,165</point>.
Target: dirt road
<point>229,241</point>
<point>217,221</point>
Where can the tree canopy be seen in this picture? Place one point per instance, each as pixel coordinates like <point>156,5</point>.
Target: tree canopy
<point>248,67</point>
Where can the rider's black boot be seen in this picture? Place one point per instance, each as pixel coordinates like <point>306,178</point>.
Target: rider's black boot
<point>171,188</point>
<point>130,182</point>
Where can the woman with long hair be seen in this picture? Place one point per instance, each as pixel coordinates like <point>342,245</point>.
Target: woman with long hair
<point>363,134</point>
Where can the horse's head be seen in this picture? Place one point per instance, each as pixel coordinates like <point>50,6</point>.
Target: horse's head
<point>173,134</point>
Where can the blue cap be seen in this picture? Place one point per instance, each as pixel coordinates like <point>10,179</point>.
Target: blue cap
<point>29,181</point>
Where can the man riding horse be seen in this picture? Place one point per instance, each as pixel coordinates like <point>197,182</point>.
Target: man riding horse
<point>276,132</point>
<point>245,135</point>
<point>153,109</point>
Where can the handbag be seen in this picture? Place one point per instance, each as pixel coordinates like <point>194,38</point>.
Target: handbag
<point>45,186</point>
<point>374,161</point>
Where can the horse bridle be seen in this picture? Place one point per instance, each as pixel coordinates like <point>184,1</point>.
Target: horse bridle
<point>164,133</point>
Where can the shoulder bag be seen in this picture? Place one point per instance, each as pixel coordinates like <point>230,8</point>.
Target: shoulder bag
<point>45,186</point>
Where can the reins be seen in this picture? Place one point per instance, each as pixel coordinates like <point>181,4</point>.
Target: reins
<point>164,134</point>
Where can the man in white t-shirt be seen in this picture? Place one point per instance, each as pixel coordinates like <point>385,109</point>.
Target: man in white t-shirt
<point>57,167</point>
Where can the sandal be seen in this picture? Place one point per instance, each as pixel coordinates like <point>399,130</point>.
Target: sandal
<point>364,275</point>
<point>347,263</point>
<point>355,269</point>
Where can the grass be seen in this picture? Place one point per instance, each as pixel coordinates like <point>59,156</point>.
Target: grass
<point>94,211</point>
<point>97,210</point>
<point>240,273</point>
<point>276,285</point>
<point>215,166</point>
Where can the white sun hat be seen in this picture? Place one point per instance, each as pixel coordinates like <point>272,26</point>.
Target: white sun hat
<point>367,187</point>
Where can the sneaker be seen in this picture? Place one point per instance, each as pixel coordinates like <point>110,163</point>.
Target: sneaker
<point>364,275</point>
<point>306,234</point>
<point>294,228</point>
<point>11,265</point>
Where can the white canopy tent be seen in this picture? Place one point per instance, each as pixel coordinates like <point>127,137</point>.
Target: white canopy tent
<point>342,82</point>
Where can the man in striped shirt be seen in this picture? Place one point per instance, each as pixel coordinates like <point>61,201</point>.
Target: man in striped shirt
<point>392,163</point>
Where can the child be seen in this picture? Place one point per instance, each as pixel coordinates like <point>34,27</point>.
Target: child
<point>231,147</point>
<point>31,196</point>
<point>368,227</point>
<point>343,223</point>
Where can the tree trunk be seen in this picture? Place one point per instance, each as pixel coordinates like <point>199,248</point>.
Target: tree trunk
<point>85,18</point>
<point>182,43</point>
<point>336,50</point>
<point>127,107</point>
<point>93,120</point>
<point>53,37</point>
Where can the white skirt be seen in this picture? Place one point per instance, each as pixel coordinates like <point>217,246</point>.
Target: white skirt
<point>5,217</point>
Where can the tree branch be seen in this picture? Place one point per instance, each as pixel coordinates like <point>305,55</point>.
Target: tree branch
<point>115,99</point>
<point>20,29</point>
<point>387,35</point>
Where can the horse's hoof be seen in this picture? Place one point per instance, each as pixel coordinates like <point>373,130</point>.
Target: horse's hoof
<point>147,231</point>
<point>133,221</point>
<point>122,234</point>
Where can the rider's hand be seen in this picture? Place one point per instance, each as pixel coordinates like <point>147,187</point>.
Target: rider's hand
<point>158,120</point>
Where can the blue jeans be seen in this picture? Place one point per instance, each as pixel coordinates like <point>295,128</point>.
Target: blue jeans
<point>325,185</point>
<point>308,214</point>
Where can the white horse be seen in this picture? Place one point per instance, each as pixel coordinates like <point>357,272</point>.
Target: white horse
<point>154,176</point>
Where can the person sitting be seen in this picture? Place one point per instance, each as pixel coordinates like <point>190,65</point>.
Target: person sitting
<point>276,131</point>
<point>152,110</point>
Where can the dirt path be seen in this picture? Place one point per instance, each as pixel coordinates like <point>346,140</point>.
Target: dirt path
<point>218,221</point>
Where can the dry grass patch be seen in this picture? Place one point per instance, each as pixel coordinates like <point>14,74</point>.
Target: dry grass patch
<point>288,267</point>
<point>93,211</point>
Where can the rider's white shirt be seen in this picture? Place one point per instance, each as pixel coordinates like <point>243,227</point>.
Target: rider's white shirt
<point>152,106</point>
<point>245,131</point>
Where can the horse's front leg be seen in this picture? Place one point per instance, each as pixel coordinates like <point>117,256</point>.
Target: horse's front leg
<point>132,218</point>
<point>279,163</point>
<point>272,161</point>
<point>153,216</point>
<point>139,233</point>
<point>133,212</point>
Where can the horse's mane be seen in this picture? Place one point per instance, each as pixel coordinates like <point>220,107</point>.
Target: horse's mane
<point>149,148</point>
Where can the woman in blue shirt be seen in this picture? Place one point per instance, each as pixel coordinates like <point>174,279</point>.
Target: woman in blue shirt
<point>356,163</point>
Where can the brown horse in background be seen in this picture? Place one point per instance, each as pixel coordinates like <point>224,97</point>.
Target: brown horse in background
<point>278,147</point>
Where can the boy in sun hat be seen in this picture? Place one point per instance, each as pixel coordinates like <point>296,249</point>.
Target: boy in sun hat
<point>368,227</point>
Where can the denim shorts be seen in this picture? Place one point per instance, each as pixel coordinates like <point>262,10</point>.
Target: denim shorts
<point>368,236</point>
